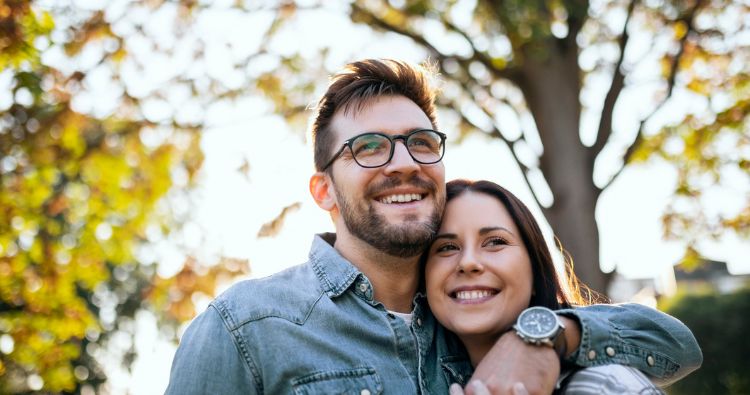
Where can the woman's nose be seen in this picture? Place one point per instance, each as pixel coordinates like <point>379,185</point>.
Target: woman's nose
<point>469,263</point>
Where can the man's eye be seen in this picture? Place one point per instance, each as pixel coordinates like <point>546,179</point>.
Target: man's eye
<point>423,144</point>
<point>369,148</point>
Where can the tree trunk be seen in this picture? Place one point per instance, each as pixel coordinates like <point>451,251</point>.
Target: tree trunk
<point>550,82</point>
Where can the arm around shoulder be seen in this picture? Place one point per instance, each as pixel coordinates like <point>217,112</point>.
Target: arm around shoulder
<point>209,360</point>
<point>638,336</point>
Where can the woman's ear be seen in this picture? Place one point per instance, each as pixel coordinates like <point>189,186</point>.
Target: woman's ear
<point>321,189</point>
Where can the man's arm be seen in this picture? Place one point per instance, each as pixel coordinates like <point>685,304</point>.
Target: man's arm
<point>627,334</point>
<point>634,335</point>
<point>208,361</point>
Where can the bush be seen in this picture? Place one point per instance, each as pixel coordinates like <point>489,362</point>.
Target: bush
<point>721,324</point>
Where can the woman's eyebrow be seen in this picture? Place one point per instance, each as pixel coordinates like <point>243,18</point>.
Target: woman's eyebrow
<point>488,229</point>
<point>446,236</point>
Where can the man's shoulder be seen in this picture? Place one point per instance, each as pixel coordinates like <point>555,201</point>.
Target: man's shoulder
<point>289,294</point>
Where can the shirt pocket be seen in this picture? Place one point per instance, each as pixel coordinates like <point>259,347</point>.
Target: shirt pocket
<point>359,381</point>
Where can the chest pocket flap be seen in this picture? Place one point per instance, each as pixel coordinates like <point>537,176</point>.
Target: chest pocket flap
<point>456,369</point>
<point>359,381</point>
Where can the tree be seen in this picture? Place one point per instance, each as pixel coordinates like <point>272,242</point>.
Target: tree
<point>511,62</point>
<point>83,195</point>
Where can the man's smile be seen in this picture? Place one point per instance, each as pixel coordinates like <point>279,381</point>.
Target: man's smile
<point>401,198</point>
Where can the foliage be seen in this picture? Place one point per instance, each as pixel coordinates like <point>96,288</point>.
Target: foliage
<point>719,323</point>
<point>506,63</point>
<point>706,153</point>
<point>83,193</point>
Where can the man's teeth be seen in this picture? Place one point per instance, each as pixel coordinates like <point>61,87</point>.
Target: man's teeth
<point>402,198</point>
<point>471,295</point>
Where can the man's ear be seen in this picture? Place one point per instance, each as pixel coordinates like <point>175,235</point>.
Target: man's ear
<point>321,189</point>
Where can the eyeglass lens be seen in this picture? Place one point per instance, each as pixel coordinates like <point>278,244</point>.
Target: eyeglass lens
<point>372,149</point>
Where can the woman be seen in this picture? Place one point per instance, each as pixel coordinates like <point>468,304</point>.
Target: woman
<point>488,263</point>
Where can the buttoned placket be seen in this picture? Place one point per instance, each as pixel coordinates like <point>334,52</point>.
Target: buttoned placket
<point>407,346</point>
<point>423,327</point>
<point>410,348</point>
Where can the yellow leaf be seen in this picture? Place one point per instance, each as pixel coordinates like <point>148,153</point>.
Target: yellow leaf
<point>499,63</point>
<point>680,29</point>
<point>46,22</point>
<point>698,86</point>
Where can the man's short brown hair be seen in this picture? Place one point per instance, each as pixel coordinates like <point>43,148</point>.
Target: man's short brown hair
<point>360,82</point>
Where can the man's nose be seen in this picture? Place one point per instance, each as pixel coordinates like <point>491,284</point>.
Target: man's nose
<point>401,162</point>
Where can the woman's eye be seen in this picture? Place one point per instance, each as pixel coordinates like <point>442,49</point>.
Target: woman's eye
<point>496,241</point>
<point>446,247</point>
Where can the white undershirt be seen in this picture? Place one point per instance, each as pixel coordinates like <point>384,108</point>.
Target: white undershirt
<point>404,316</point>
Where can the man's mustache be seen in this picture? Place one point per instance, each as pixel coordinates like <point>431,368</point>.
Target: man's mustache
<point>393,182</point>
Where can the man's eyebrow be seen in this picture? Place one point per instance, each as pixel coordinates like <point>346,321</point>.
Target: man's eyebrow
<point>396,132</point>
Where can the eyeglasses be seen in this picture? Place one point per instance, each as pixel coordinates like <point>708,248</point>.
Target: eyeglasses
<point>374,149</point>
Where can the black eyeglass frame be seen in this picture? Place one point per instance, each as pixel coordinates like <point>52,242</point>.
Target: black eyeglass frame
<point>392,139</point>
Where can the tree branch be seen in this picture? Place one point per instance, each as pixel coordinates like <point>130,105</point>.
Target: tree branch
<point>576,19</point>
<point>379,22</point>
<point>434,52</point>
<point>618,83</point>
<point>688,20</point>
<point>481,57</point>
<point>495,133</point>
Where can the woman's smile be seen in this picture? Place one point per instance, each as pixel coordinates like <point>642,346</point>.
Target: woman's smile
<point>473,294</point>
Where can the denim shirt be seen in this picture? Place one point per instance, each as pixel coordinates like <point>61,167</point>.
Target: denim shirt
<point>316,329</point>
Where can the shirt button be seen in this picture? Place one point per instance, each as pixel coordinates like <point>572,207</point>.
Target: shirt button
<point>650,360</point>
<point>419,322</point>
<point>610,351</point>
<point>363,287</point>
<point>364,392</point>
<point>591,354</point>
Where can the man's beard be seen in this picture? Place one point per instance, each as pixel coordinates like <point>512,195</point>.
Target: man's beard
<point>404,240</point>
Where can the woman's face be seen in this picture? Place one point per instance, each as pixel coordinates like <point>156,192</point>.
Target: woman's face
<point>478,271</point>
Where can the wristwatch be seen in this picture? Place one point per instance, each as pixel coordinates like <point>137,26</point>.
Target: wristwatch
<point>540,326</point>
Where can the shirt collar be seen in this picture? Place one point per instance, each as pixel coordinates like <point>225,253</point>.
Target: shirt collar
<point>335,273</point>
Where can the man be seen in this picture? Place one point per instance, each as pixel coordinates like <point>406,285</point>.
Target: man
<point>352,319</point>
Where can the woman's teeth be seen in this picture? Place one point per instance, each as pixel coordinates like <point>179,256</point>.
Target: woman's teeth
<point>472,295</point>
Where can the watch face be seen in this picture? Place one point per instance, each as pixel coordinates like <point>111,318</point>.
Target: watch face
<point>538,322</point>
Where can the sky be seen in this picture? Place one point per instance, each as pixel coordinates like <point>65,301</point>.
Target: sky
<point>231,206</point>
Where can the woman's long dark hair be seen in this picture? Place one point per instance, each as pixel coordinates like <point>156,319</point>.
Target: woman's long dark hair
<point>548,290</point>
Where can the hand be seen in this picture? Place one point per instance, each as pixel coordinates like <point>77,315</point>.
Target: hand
<point>511,362</point>
<point>480,389</point>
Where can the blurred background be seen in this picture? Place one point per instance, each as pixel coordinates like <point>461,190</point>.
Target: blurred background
<point>154,152</point>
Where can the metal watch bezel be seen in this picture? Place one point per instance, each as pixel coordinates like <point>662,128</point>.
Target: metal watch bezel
<point>547,338</point>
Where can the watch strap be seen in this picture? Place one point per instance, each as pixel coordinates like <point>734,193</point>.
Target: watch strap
<point>561,344</point>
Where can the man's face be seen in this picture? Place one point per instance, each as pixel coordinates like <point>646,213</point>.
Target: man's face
<point>395,208</point>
